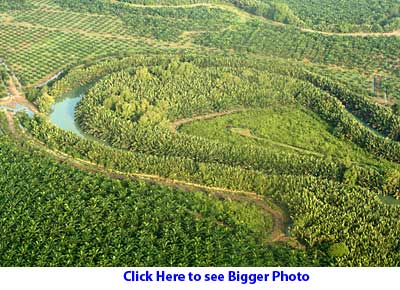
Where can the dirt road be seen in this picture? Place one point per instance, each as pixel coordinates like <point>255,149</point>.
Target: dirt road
<point>280,219</point>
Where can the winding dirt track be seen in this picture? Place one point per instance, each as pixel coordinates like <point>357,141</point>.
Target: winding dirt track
<point>354,34</point>
<point>245,16</point>
<point>279,218</point>
<point>16,97</point>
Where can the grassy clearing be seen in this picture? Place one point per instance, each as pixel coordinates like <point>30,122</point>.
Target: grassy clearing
<point>288,129</point>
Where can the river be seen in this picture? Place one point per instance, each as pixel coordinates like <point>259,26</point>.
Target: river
<point>63,111</point>
<point>63,116</point>
<point>19,108</point>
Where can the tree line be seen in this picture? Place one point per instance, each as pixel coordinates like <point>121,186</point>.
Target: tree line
<point>55,215</point>
<point>340,218</point>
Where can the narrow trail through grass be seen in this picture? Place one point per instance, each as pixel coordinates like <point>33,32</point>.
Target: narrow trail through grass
<point>175,125</point>
<point>248,134</point>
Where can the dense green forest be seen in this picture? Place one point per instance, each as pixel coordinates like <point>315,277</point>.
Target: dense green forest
<point>82,219</point>
<point>3,81</point>
<point>348,15</point>
<point>316,205</point>
<point>207,133</point>
<point>165,23</point>
<point>347,51</point>
<point>80,30</point>
<point>326,15</point>
<point>133,101</point>
<point>13,4</point>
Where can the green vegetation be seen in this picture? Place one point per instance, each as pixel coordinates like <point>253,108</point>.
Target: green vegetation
<point>338,250</point>
<point>59,38</point>
<point>157,92</point>
<point>89,220</point>
<point>71,21</point>
<point>4,130</point>
<point>214,133</point>
<point>360,81</point>
<point>317,206</point>
<point>273,10</point>
<point>3,82</point>
<point>280,128</point>
<point>53,49</point>
<point>134,99</point>
<point>281,41</point>
<point>169,2</point>
<point>325,15</point>
<point>13,4</point>
<point>348,15</point>
<point>165,23</point>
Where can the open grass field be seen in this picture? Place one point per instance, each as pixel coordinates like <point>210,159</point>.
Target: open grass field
<point>280,128</point>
